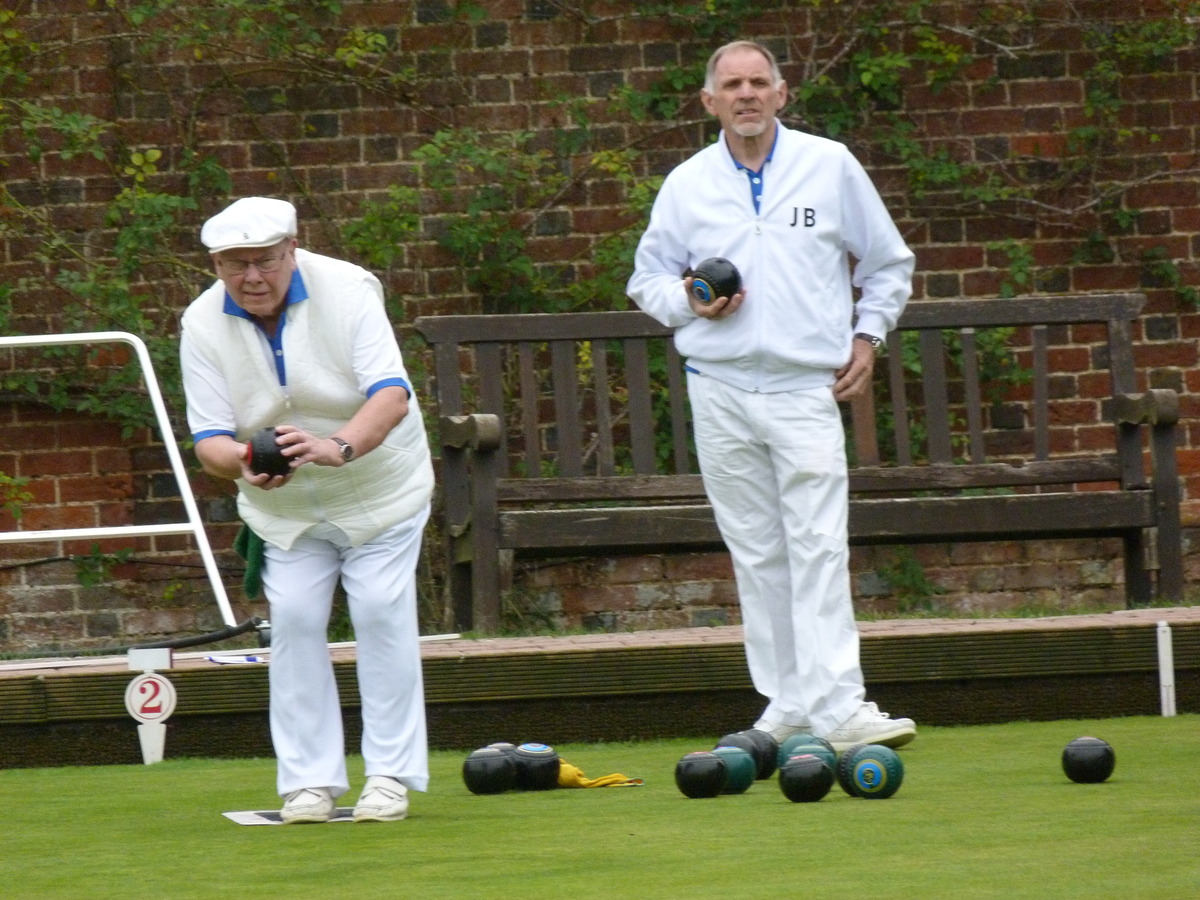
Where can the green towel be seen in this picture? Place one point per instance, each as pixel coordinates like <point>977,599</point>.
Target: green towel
<point>250,547</point>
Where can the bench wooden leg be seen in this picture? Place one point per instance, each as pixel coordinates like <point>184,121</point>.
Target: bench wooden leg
<point>485,545</point>
<point>1169,534</point>
<point>1138,589</point>
<point>485,592</point>
<point>1170,566</point>
<point>458,587</point>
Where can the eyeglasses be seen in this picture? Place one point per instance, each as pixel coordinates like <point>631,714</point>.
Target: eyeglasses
<point>265,264</point>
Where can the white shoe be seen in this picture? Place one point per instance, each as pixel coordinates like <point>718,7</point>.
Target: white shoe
<point>307,805</point>
<point>870,726</point>
<point>779,731</point>
<point>383,800</point>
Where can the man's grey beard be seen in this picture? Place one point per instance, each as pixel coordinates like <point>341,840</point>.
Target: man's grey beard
<point>750,130</point>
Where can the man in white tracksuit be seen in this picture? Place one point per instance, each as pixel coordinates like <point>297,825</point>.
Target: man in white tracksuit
<point>301,342</point>
<point>766,368</point>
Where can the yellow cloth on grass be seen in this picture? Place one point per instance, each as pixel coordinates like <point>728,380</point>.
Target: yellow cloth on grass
<point>570,776</point>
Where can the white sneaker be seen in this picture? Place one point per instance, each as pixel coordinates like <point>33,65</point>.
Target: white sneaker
<point>779,731</point>
<point>383,799</point>
<point>307,805</point>
<point>870,726</point>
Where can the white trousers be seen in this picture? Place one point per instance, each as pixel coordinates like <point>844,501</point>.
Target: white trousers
<point>774,468</point>
<point>379,578</point>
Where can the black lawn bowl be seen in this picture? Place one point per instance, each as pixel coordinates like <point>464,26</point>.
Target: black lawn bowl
<point>700,774</point>
<point>537,767</point>
<point>805,778</point>
<point>842,772</point>
<point>802,744</point>
<point>265,456</point>
<point>489,770</point>
<point>714,278</point>
<point>871,771</point>
<point>741,769</point>
<point>759,744</point>
<point>1088,760</point>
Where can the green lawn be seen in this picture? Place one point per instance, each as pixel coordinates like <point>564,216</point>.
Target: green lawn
<point>983,812</point>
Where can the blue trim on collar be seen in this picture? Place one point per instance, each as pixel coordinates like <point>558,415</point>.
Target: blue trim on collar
<point>296,292</point>
<point>770,153</point>
<point>756,177</point>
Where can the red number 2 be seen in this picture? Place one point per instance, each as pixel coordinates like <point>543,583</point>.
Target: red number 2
<point>151,706</point>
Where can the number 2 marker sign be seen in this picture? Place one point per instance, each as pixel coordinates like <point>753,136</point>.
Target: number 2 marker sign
<point>150,697</point>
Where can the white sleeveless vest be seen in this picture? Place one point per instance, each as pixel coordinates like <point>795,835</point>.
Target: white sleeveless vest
<point>373,492</point>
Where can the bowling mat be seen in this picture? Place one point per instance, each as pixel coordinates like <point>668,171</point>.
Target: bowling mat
<point>271,816</point>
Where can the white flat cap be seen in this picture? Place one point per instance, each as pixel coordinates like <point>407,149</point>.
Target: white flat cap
<point>249,222</point>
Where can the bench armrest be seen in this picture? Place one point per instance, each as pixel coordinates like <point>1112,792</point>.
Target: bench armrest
<point>472,460</point>
<point>478,431</point>
<point>1158,406</point>
<point>469,466</point>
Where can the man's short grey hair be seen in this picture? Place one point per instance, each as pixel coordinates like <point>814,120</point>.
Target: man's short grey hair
<point>711,70</point>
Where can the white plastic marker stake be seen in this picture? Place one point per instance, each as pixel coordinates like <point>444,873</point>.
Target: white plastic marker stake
<point>150,698</point>
<point>1166,669</point>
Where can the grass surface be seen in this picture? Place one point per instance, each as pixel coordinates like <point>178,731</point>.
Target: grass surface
<point>983,812</point>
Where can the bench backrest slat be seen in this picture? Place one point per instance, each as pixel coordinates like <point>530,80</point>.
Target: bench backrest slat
<point>602,391</point>
<point>864,430</point>
<point>972,395</point>
<point>1041,395</point>
<point>568,431</point>
<point>489,362</point>
<point>937,404</point>
<point>446,371</point>
<point>896,389</point>
<point>530,391</point>
<point>1120,360</point>
<point>640,406</point>
<point>1120,355</point>
<point>681,434</point>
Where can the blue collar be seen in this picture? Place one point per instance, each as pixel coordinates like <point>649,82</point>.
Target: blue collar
<point>770,153</point>
<point>754,177</point>
<point>296,292</point>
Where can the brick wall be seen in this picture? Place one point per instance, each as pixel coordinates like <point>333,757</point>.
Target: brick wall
<point>82,473</point>
<point>329,141</point>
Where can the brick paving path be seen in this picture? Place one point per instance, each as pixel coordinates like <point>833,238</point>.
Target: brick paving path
<point>869,630</point>
<point>675,637</point>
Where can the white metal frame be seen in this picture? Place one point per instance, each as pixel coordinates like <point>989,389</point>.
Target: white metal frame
<point>193,526</point>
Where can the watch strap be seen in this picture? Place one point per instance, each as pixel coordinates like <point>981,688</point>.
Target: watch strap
<point>869,338</point>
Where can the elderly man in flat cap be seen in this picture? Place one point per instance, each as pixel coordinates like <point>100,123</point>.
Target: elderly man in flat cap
<point>300,342</point>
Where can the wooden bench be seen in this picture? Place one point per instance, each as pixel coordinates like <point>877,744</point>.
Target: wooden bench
<point>992,419</point>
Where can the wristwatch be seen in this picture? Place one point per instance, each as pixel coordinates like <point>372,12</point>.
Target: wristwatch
<point>346,450</point>
<point>869,338</point>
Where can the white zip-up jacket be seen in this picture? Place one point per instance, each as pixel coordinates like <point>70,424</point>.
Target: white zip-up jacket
<point>796,324</point>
